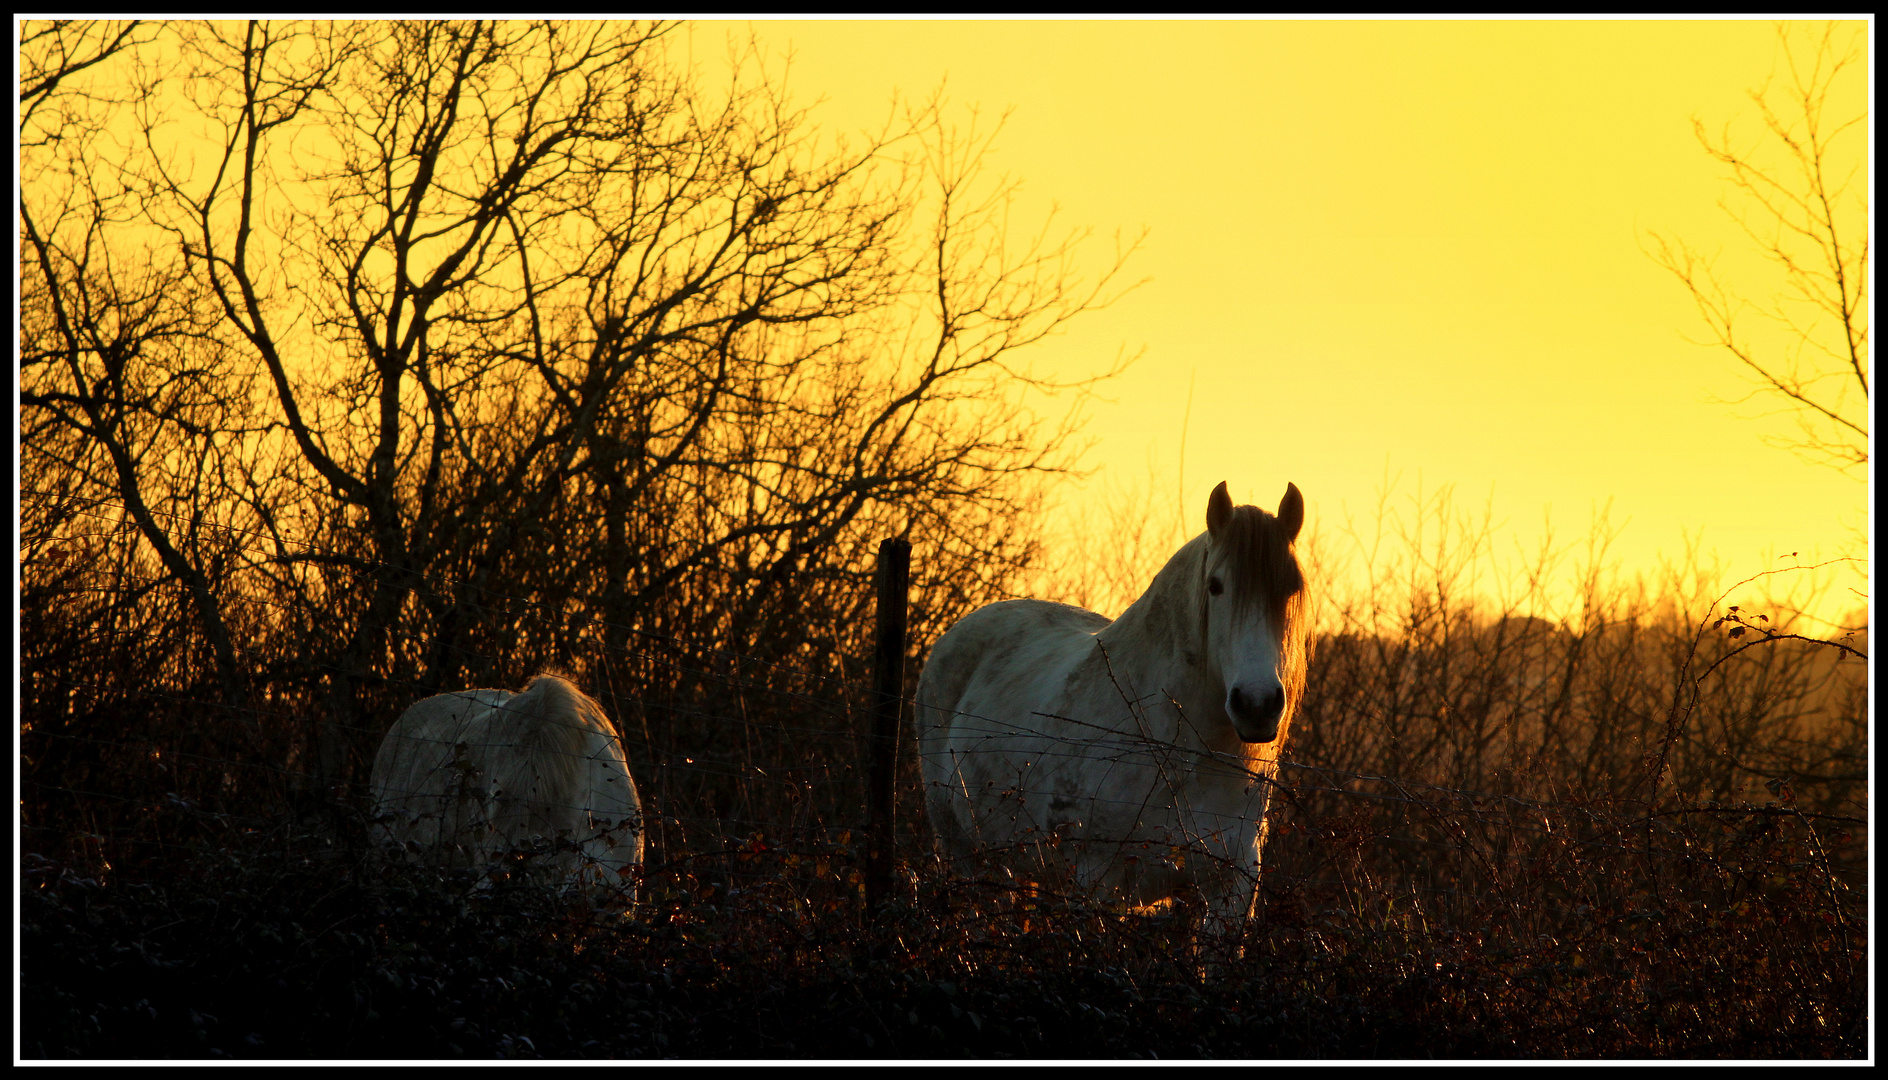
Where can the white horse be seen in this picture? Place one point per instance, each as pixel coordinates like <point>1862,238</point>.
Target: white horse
<point>1133,755</point>
<point>463,778</point>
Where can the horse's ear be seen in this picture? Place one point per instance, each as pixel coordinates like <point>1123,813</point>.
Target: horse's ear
<point>1218,509</point>
<point>1291,512</point>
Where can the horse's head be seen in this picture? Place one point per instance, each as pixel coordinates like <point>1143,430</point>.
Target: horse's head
<point>1253,597</point>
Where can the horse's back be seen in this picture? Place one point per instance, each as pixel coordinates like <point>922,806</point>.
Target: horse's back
<point>995,640</point>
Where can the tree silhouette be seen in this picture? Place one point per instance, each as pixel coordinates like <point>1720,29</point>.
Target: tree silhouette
<point>420,354</point>
<point>1808,214</point>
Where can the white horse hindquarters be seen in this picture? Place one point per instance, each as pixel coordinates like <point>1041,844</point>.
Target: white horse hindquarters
<point>934,717</point>
<point>466,778</point>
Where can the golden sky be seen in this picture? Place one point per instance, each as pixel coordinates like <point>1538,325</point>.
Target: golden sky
<point>1403,249</point>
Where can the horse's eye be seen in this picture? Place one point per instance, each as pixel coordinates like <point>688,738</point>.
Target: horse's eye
<point>1213,586</point>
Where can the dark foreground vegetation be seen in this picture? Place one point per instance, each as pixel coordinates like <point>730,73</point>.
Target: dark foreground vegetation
<point>656,372</point>
<point>1449,874</point>
<point>259,947</point>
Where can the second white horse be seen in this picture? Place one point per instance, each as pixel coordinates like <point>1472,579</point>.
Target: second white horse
<point>467,777</point>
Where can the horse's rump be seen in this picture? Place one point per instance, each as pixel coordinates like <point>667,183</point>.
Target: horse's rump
<point>463,778</point>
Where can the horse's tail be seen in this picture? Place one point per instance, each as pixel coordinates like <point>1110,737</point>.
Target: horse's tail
<point>947,673</point>
<point>547,729</point>
<point>601,808</point>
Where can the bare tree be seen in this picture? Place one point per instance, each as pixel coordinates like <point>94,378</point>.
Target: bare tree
<point>52,53</point>
<point>1808,214</point>
<point>549,344</point>
<point>123,385</point>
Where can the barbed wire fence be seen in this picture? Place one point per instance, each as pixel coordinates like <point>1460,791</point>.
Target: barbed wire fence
<point>756,776</point>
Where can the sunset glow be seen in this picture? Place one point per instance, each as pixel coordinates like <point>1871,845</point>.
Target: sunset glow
<point>1413,252</point>
<point>932,540</point>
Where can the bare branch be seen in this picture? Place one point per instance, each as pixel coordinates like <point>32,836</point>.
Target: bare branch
<point>1802,209</point>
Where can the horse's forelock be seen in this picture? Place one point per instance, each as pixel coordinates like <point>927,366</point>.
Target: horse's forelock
<point>1259,555</point>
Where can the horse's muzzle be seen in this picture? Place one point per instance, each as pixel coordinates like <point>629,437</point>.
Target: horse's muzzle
<point>1256,716</point>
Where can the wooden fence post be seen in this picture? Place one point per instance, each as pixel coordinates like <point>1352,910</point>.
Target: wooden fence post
<point>893,581</point>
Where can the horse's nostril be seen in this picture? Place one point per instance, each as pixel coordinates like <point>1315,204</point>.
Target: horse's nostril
<point>1273,704</point>
<point>1267,706</point>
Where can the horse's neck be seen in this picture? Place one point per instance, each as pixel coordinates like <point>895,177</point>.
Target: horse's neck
<point>1156,641</point>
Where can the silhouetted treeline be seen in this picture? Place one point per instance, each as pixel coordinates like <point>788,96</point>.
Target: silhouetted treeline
<point>365,361</point>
